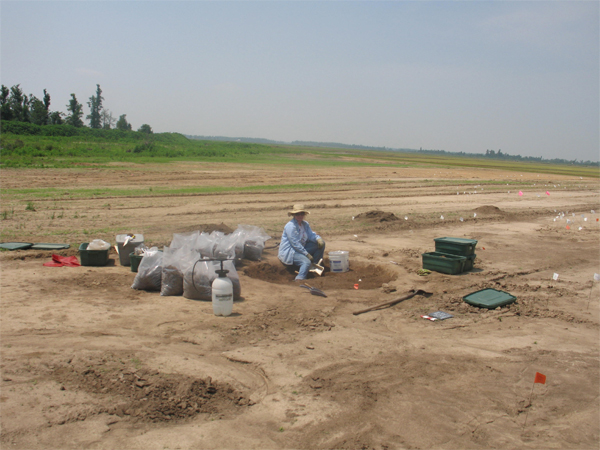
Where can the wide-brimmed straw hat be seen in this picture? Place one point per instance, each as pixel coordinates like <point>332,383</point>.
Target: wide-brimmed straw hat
<point>296,209</point>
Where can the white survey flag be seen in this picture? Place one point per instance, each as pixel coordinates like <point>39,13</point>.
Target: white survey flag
<point>555,277</point>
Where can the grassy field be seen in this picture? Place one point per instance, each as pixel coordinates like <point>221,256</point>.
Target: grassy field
<point>27,145</point>
<point>42,194</point>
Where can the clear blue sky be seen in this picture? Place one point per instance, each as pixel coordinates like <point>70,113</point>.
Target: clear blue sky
<point>468,76</point>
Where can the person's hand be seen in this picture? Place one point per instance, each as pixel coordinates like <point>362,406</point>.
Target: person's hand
<point>309,256</point>
<point>320,243</point>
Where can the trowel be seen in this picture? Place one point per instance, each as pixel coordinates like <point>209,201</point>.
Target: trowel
<point>314,290</point>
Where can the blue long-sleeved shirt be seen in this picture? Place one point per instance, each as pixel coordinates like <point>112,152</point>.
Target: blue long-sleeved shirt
<point>291,240</point>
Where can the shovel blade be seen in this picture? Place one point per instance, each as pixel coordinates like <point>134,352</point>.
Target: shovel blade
<point>317,268</point>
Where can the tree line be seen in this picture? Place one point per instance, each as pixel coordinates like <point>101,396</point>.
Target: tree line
<point>16,106</point>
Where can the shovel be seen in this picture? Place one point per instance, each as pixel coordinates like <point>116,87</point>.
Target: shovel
<point>317,267</point>
<point>411,294</point>
<point>314,290</point>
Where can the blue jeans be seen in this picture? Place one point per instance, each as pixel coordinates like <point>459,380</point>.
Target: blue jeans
<point>304,263</point>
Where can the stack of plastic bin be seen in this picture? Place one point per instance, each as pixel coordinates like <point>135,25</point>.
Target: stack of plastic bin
<point>451,256</point>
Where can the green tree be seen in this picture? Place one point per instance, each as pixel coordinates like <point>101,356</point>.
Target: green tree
<point>95,105</point>
<point>46,100</point>
<point>5,110</point>
<point>39,114</point>
<point>76,111</point>
<point>145,128</point>
<point>107,119</point>
<point>56,118</point>
<point>40,110</point>
<point>122,123</point>
<point>19,104</point>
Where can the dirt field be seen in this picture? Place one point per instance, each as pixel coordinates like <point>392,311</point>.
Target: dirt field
<point>88,362</point>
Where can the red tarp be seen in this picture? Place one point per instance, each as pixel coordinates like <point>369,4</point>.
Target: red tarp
<point>59,261</point>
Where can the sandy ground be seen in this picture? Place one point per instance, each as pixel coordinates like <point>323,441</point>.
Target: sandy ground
<point>88,362</point>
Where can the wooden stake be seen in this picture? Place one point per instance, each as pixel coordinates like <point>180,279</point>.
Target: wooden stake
<point>530,395</point>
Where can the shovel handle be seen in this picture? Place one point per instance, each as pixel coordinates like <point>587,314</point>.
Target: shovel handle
<point>393,302</point>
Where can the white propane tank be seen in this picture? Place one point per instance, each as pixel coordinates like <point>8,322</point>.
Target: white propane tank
<point>222,293</point>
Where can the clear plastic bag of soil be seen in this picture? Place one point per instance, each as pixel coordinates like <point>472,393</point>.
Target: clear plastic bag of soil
<point>197,280</point>
<point>149,272</point>
<point>225,247</point>
<point>172,273</point>
<point>140,250</point>
<point>184,240</point>
<point>253,249</point>
<point>254,242</point>
<point>204,245</point>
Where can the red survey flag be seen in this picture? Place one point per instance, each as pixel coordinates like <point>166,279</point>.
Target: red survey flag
<point>539,378</point>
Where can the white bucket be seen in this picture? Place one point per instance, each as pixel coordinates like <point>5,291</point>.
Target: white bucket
<point>339,261</point>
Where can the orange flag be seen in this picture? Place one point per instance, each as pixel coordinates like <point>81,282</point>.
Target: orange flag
<point>539,378</point>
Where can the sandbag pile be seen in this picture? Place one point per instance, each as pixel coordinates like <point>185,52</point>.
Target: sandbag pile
<point>187,266</point>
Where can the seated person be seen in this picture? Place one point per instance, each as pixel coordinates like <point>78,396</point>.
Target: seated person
<point>300,245</point>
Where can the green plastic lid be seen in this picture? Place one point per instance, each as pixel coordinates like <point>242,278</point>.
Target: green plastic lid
<point>489,298</point>
<point>454,240</point>
<point>15,245</point>
<point>47,246</point>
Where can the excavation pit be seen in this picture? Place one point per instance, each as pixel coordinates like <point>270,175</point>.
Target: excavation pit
<point>146,395</point>
<point>365,275</point>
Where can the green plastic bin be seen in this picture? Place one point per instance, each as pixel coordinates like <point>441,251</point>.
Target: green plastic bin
<point>455,246</point>
<point>489,298</point>
<point>135,261</point>
<point>443,262</point>
<point>92,257</point>
<point>469,263</point>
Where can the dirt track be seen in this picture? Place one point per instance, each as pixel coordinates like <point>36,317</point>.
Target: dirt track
<point>88,362</point>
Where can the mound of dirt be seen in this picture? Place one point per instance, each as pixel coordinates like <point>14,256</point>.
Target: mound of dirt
<point>146,395</point>
<point>488,209</point>
<point>378,216</point>
<point>367,276</point>
<point>270,272</point>
<point>205,228</point>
